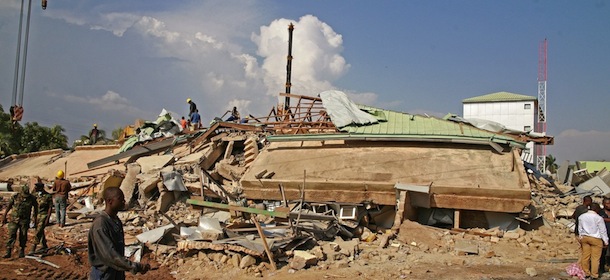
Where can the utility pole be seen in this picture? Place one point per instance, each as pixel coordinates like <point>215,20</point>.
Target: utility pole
<point>288,67</point>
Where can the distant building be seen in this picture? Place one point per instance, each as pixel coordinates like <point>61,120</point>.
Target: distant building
<point>515,111</point>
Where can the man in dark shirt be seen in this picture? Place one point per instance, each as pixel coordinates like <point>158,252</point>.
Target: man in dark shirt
<point>581,209</point>
<point>192,106</point>
<point>106,241</point>
<point>605,213</point>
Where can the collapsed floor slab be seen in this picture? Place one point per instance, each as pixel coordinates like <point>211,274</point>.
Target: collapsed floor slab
<point>461,176</point>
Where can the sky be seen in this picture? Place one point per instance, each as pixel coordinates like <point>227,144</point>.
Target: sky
<point>112,62</point>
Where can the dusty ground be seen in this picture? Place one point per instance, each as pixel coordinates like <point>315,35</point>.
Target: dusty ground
<point>426,260</point>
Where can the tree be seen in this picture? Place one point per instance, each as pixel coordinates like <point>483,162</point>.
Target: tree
<point>551,164</point>
<point>16,139</point>
<point>117,133</point>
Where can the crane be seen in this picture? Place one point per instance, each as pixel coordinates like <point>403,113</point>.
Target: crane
<point>16,108</point>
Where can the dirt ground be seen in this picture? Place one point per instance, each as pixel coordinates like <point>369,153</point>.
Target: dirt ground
<point>421,255</point>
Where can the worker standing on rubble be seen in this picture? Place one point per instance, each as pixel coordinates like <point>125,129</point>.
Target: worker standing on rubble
<point>581,209</point>
<point>45,203</point>
<point>196,120</point>
<point>62,188</point>
<point>183,123</point>
<point>22,204</point>
<point>106,242</point>
<point>93,134</point>
<point>234,115</point>
<point>192,107</point>
<point>593,237</point>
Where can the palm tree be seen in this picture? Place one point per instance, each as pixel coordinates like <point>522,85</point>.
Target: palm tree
<point>551,164</point>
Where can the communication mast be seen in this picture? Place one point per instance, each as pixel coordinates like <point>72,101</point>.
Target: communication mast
<point>541,149</point>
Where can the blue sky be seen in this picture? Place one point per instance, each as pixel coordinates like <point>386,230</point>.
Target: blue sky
<point>111,62</point>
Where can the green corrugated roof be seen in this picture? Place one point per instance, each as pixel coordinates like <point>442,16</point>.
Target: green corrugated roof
<point>502,96</point>
<point>402,126</point>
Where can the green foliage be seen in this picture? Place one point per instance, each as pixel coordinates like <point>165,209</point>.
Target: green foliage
<point>15,139</point>
<point>116,134</point>
<point>551,164</point>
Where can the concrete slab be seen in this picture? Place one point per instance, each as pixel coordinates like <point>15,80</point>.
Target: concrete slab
<point>463,176</point>
<point>151,164</point>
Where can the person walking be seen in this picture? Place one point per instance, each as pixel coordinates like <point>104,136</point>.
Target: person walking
<point>45,203</point>
<point>192,107</point>
<point>62,188</point>
<point>593,238</point>
<point>196,120</point>
<point>106,241</point>
<point>22,204</point>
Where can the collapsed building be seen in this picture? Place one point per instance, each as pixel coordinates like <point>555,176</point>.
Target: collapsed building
<point>323,168</point>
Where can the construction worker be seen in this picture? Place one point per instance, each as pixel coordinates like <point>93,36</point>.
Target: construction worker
<point>22,204</point>
<point>192,108</point>
<point>61,188</point>
<point>45,203</point>
<point>196,120</point>
<point>93,134</point>
<point>234,115</point>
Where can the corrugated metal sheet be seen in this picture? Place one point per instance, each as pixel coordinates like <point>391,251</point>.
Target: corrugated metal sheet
<point>399,126</point>
<point>502,96</point>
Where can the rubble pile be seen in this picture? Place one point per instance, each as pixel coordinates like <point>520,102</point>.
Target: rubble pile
<point>186,210</point>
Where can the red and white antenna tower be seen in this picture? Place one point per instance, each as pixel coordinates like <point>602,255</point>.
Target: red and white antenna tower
<point>541,149</point>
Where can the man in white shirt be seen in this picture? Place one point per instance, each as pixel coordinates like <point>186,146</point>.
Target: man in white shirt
<point>593,237</point>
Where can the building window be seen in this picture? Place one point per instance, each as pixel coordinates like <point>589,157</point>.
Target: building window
<point>527,106</point>
<point>527,128</point>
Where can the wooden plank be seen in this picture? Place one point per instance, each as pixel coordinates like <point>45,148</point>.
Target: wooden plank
<point>262,235</point>
<point>237,208</point>
<point>137,151</point>
<point>456,218</point>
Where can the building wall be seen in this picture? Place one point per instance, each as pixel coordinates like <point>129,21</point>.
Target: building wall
<point>514,115</point>
<point>519,115</point>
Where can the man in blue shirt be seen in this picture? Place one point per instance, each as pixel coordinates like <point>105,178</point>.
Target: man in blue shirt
<point>196,120</point>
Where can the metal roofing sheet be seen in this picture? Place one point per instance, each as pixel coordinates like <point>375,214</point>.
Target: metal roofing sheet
<point>502,96</point>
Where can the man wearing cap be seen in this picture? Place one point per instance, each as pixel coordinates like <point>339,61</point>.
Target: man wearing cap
<point>192,108</point>
<point>93,134</point>
<point>61,188</point>
<point>22,204</point>
<point>45,203</point>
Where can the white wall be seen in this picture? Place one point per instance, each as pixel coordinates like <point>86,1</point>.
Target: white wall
<point>513,115</point>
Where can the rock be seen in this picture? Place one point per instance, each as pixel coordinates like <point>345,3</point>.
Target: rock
<point>318,252</point>
<point>466,247</point>
<point>494,239</point>
<point>302,259</point>
<point>531,272</point>
<point>489,254</point>
<point>203,257</point>
<point>511,235</point>
<point>247,261</point>
<point>384,240</point>
<point>236,260</point>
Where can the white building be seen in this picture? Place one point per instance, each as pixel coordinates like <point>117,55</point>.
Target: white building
<point>515,111</point>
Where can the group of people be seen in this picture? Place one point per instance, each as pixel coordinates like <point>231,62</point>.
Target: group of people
<point>592,226</point>
<point>106,242</point>
<point>25,206</point>
<point>194,118</point>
